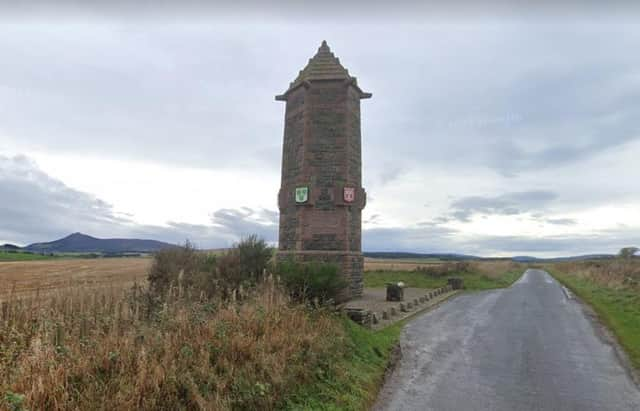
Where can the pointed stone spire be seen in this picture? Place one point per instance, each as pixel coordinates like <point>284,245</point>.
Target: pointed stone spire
<point>323,66</point>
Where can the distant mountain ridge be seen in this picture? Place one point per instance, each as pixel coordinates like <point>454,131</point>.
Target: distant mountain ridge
<point>529,259</point>
<point>402,254</point>
<point>459,257</point>
<point>82,243</point>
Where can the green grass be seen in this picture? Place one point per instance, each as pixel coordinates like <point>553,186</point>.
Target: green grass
<point>408,260</point>
<point>27,256</point>
<point>619,309</point>
<point>355,376</point>
<point>421,280</point>
<point>21,256</point>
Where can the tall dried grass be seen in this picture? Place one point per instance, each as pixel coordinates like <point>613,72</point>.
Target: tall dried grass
<point>615,273</point>
<point>488,268</point>
<point>83,349</point>
<point>495,268</point>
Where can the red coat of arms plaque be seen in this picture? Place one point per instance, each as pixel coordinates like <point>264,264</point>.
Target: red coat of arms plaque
<point>349,194</point>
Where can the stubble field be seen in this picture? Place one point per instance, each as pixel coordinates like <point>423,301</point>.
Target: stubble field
<point>22,278</point>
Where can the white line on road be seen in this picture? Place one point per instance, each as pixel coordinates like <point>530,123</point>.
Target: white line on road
<point>567,293</point>
<point>524,279</point>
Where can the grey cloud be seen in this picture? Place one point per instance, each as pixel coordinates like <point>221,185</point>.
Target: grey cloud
<point>546,107</point>
<point>246,221</point>
<point>202,95</point>
<point>36,207</point>
<point>439,239</point>
<point>517,99</point>
<point>140,95</point>
<point>595,243</point>
<point>562,221</point>
<point>505,204</point>
<point>278,10</point>
<point>390,172</point>
<point>374,219</point>
<point>576,114</point>
<point>423,238</point>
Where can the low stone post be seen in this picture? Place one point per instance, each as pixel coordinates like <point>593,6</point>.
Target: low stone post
<point>456,283</point>
<point>395,292</point>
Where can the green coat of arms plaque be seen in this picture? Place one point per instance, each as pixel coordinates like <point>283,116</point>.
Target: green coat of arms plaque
<point>302,194</point>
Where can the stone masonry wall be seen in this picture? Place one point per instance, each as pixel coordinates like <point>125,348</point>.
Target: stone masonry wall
<point>322,150</point>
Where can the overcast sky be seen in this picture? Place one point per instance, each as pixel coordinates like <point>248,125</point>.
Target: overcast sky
<point>503,135</point>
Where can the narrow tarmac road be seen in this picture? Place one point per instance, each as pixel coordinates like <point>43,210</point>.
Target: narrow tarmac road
<point>528,347</point>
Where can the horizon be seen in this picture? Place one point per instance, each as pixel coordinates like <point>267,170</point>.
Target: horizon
<point>274,245</point>
<point>487,136</point>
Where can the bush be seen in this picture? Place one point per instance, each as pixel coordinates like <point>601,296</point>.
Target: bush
<point>254,255</point>
<point>243,264</point>
<point>197,272</point>
<point>229,272</point>
<point>311,280</point>
<point>181,267</point>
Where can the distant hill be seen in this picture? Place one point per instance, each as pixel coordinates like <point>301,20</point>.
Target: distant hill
<point>82,243</point>
<point>528,259</point>
<point>460,257</point>
<point>400,254</point>
<point>9,247</point>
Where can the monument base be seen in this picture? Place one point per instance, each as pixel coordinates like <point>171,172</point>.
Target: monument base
<point>350,266</point>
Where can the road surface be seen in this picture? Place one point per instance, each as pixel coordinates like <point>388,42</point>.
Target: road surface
<point>528,347</point>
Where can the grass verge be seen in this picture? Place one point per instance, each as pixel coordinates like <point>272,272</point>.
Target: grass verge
<point>356,377</point>
<point>619,309</point>
<point>21,256</point>
<point>472,281</point>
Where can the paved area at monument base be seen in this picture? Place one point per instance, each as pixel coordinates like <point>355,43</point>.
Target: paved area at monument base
<point>415,300</point>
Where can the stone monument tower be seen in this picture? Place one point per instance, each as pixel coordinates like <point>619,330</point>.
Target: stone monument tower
<point>321,196</point>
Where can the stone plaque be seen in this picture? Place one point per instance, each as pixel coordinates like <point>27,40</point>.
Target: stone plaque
<point>349,194</point>
<point>302,194</point>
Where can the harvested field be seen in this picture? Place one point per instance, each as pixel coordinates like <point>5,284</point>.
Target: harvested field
<point>27,277</point>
